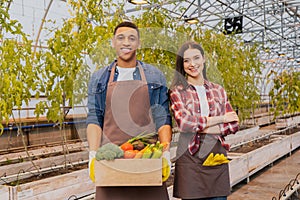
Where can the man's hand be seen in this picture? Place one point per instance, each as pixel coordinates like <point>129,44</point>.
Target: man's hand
<point>92,155</point>
<point>166,165</point>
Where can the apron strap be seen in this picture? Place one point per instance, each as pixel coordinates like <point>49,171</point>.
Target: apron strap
<point>111,76</point>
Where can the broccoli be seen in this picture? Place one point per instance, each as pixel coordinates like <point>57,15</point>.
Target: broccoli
<point>109,151</point>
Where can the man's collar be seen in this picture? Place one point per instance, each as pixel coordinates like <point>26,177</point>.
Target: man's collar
<point>137,62</point>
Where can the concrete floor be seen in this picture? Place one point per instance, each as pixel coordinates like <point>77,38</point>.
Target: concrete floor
<point>268,183</point>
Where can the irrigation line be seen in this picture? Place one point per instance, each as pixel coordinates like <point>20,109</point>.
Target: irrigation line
<point>87,197</point>
<point>16,177</point>
<point>292,187</point>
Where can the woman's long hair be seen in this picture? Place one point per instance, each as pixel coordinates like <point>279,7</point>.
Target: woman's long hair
<point>180,75</point>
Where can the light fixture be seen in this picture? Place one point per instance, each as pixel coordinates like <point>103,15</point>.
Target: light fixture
<point>193,20</point>
<point>138,2</point>
<point>281,54</point>
<point>233,25</point>
<point>267,49</point>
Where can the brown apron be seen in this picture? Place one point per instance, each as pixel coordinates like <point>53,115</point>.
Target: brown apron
<point>192,180</point>
<point>128,114</point>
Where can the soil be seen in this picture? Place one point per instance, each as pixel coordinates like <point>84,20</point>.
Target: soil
<point>252,146</point>
<point>47,175</point>
<point>291,131</point>
<point>259,143</point>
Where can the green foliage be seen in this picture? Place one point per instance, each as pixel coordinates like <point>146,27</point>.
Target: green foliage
<point>64,71</point>
<point>159,40</point>
<point>60,72</point>
<point>285,92</point>
<point>17,69</point>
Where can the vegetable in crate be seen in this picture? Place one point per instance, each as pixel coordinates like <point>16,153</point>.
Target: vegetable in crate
<point>145,138</point>
<point>141,152</point>
<point>138,145</point>
<point>148,152</point>
<point>130,154</point>
<point>157,150</point>
<point>109,151</point>
<point>126,146</point>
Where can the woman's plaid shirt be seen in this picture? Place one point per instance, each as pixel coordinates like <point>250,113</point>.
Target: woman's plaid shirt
<point>185,106</point>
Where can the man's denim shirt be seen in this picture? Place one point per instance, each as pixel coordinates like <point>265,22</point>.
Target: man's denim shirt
<point>157,89</point>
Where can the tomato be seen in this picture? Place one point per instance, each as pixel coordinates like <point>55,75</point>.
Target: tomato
<point>126,146</point>
<point>130,154</point>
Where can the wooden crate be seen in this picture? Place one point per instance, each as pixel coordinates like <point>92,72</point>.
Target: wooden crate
<point>128,172</point>
<point>62,187</point>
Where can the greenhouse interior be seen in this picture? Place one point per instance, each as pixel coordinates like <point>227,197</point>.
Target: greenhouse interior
<point>51,48</point>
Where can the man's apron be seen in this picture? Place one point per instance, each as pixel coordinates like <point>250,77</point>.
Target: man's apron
<point>128,114</point>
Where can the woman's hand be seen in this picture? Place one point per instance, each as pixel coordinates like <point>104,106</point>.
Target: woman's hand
<point>230,117</point>
<point>212,130</point>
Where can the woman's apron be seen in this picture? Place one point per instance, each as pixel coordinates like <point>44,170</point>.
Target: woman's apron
<point>192,179</point>
<point>127,114</point>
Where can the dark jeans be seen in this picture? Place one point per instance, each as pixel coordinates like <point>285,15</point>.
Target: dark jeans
<point>210,198</point>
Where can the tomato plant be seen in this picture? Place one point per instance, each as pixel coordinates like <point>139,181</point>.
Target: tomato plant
<point>60,72</point>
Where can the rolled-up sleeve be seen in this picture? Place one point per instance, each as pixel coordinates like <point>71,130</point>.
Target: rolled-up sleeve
<point>232,127</point>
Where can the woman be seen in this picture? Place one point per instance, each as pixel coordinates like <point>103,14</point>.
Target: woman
<point>204,117</point>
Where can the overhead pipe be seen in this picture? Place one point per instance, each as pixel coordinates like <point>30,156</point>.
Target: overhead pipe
<point>14,128</point>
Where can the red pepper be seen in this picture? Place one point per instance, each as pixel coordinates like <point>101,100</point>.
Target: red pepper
<point>126,146</point>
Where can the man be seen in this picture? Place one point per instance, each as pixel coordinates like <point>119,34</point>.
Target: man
<point>126,98</point>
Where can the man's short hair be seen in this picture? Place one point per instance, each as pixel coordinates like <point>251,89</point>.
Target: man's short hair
<point>127,24</point>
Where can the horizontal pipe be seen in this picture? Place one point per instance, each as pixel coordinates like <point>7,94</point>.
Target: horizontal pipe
<point>13,128</point>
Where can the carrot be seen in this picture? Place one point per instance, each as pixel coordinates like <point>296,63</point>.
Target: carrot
<point>141,152</point>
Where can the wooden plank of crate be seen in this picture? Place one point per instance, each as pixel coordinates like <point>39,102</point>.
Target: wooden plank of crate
<point>41,151</point>
<point>69,192</point>
<point>238,169</point>
<point>267,154</point>
<point>263,120</point>
<point>283,123</point>
<point>233,155</point>
<point>128,172</point>
<point>241,135</point>
<point>295,141</point>
<point>49,186</point>
<point>4,192</point>
<point>42,163</point>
